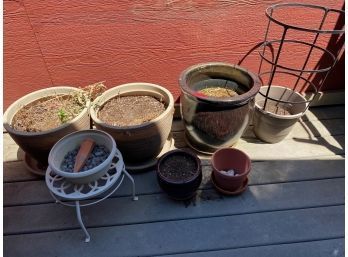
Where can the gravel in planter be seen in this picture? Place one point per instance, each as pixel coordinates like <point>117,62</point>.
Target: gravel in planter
<point>130,110</point>
<point>218,92</point>
<point>99,154</point>
<point>179,167</point>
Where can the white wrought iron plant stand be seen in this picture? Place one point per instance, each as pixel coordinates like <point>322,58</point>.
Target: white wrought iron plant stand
<point>70,194</point>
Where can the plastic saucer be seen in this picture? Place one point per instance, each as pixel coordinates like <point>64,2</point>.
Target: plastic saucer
<point>236,192</point>
<point>33,166</point>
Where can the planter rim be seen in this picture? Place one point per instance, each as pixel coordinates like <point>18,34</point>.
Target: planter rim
<point>173,153</point>
<point>9,128</point>
<point>92,171</point>
<point>285,117</point>
<point>235,100</point>
<point>169,108</point>
<point>233,150</point>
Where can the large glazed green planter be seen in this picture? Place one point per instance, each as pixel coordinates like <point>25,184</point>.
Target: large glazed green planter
<point>212,123</point>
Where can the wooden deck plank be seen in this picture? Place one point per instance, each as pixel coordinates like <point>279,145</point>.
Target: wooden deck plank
<point>311,129</point>
<point>328,145</point>
<point>208,203</point>
<point>294,148</point>
<point>185,235</point>
<point>34,192</point>
<point>16,171</point>
<point>322,248</point>
<point>325,112</point>
<point>12,151</point>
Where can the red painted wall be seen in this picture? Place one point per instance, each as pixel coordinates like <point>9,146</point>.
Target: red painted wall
<point>75,42</point>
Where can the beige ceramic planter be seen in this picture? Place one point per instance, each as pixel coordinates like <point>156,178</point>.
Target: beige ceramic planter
<point>271,127</point>
<point>142,142</point>
<point>39,144</point>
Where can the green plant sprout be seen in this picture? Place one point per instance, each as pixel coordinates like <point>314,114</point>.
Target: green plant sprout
<point>63,116</point>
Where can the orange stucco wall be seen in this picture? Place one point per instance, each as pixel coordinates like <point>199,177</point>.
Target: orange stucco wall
<point>75,42</point>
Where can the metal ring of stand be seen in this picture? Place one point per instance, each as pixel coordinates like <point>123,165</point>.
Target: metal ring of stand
<point>63,190</point>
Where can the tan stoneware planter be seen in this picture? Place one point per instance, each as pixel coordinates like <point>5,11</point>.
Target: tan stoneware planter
<point>38,144</point>
<point>143,142</point>
<point>271,127</point>
<point>227,159</point>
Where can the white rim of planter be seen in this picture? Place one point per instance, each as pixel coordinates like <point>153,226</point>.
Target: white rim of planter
<point>7,122</point>
<point>292,116</point>
<point>83,174</point>
<point>93,112</point>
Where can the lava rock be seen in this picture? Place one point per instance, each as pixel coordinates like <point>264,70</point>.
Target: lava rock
<point>98,155</point>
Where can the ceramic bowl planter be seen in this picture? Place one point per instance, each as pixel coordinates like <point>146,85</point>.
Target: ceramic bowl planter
<point>271,127</point>
<point>230,170</point>
<point>73,141</point>
<point>211,122</point>
<point>38,144</point>
<point>139,144</point>
<point>179,174</point>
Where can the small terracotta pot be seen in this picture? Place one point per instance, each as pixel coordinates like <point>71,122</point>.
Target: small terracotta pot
<point>226,159</point>
<point>180,189</point>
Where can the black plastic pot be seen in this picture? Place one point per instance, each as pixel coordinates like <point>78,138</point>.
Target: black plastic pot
<point>213,123</point>
<point>179,189</point>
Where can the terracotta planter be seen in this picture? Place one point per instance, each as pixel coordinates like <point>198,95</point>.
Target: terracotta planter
<point>271,127</point>
<point>142,142</point>
<point>226,159</point>
<point>179,188</point>
<point>212,123</point>
<point>38,144</point>
<point>73,141</point>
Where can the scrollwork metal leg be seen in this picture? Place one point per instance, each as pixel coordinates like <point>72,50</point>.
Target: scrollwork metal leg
<point>78,214</point>
<point>135,198</point>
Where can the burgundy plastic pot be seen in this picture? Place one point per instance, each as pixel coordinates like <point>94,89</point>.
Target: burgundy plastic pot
<point>179,188</point>
<point>226,159</point>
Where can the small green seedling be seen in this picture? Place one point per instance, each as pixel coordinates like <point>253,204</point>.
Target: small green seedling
<point>63,116</point>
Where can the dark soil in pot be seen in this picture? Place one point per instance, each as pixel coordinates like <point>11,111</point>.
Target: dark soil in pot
<point>47,113</point>
<point>179,167</point>
<point>130,110</point>
<point>179,174</point>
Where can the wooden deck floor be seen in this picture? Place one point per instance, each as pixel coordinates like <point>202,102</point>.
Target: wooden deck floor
<point>294,205</point>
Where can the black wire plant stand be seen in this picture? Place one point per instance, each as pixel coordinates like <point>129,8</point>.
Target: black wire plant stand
<point>302,73</point>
